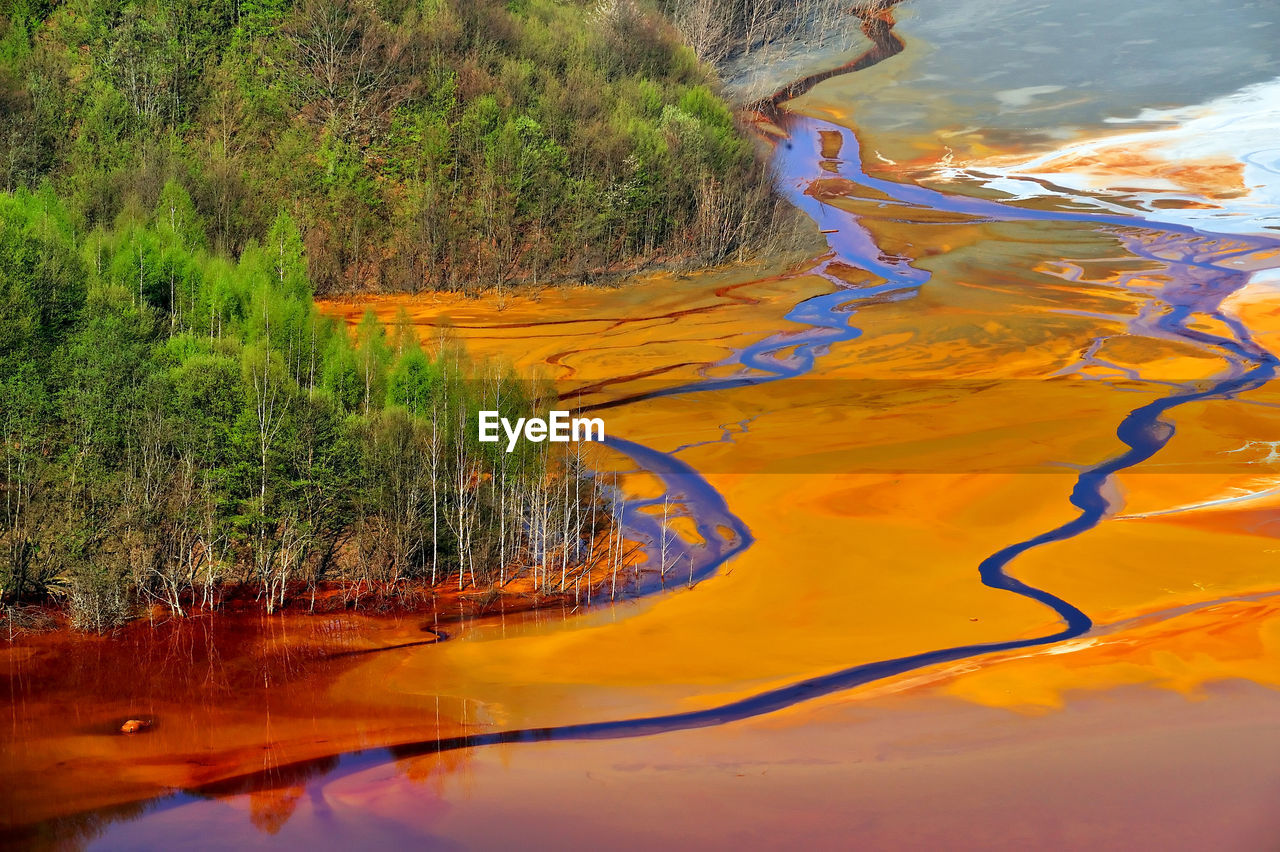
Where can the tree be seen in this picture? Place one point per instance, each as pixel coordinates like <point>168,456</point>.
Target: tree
<point>375,355</point>
<point>269,397</point>
<point>288,260</point>
<point>177,219</point>
<point>352,69</point>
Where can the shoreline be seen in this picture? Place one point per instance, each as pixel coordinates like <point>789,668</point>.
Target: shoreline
<point>445,606</point>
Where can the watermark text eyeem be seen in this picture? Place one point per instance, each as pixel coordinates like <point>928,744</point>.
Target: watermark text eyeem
<point>559,427</point>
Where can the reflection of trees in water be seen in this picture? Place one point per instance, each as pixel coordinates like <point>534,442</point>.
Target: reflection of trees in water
<point>273,794</point>
<point>271,808</point>
<point>190,676</point>
<point>434,770</point>
<point>77,830</point>
<point>185,676</point>
<point>196,661</point>
<point>275,791</point>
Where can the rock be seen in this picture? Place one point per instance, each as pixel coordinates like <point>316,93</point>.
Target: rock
<point>134,725</point>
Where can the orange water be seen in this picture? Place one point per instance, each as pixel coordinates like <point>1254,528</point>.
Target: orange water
<point>873,488</point>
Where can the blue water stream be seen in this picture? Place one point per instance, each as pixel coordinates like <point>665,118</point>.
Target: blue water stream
<point>1197,288</point>
<point>1199,281</point>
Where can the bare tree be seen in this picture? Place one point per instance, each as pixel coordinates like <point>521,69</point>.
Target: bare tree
<point>356,68</point>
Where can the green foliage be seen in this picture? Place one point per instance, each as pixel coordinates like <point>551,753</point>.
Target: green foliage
<point>284,244</point>
<point>176,217</point>
<point>437,144</point>
<point>42,278</point>
<point>415,383</point>
<point>172,421</point>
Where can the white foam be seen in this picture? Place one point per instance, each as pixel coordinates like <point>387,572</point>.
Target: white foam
<point>1243,127</point>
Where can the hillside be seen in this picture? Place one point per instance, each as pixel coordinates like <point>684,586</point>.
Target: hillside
<point>458,144</point>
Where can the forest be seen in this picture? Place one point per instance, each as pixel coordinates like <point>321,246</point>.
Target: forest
<point>181,427</point>
<point>446,144</point>
<point>178,426</point>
